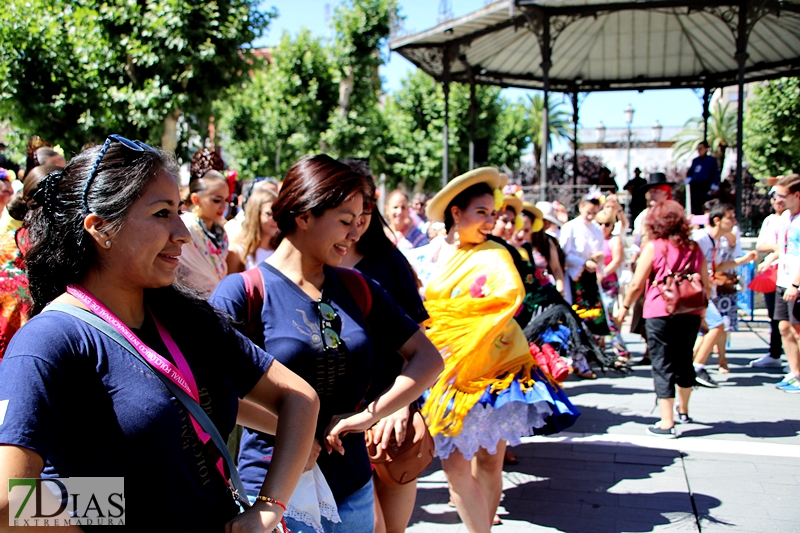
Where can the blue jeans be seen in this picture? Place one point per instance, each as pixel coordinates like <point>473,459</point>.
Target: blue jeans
<point>356,511</point>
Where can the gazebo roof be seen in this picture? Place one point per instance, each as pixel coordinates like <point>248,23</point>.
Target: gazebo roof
<point>600,45</point>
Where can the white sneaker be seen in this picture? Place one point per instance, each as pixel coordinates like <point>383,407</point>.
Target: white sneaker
<point>765,362</point>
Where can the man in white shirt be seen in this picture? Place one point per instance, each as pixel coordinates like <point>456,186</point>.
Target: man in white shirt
<point>582,242</point>
<point>786,309</point>
<point>768,244</point>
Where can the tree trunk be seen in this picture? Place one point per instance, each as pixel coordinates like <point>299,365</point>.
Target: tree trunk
<point>169,139</point>
<point>345,89</point>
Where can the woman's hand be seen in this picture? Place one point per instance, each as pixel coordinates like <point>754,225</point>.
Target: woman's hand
<point>261,518</point>
<point>590,266</point>
<point>313,455</point>
<point>397,422</point>
<point>619,318</point>
<point>341,425</point>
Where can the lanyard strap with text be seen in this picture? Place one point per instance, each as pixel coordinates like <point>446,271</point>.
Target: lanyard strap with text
<point>182,375</point>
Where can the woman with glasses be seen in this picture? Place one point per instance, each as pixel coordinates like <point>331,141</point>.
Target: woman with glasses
<point>613,257</point>
<point>254,242</point>
<point>335,329</point>
<point>105,238</point>
<point>490,391</point>
<point>202,263</point>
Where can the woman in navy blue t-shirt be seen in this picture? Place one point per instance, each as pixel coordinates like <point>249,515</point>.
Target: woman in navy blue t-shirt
<point>377,257</point>
<point>105,239</point>
<point>313,323</point>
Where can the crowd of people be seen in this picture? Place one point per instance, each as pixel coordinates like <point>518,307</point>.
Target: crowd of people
<point>312,331</point>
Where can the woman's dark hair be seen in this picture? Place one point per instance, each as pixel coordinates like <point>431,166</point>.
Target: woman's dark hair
<point>203,161</point>
<point>62,252</point>
<point>19,205</point>
<point>198,185</point>
<point>36,152</point>
<point>374,241</point>
<point>667,220</point>
<point>463,199</point>
<point>314,185</point>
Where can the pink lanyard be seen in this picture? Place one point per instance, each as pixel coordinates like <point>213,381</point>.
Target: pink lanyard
<point>181,376</point>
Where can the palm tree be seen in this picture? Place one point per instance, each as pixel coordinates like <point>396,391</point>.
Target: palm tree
<point>559,124</point>
<point>721,133</point>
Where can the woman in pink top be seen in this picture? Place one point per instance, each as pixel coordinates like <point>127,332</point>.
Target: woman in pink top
<point>614,256</point>
<point>670,338</point>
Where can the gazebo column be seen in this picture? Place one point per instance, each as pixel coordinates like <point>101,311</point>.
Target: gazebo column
<point>472,112</point>
<point>545,47</point>
<point>446,88</point>
<point>575,168</point>
<point>707,92</point>
<point>741,58</point>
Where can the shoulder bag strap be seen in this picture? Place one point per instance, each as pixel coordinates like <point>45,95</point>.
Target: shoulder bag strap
<point>192,406</point>
<point>255,292</point>
<point>357,286</point>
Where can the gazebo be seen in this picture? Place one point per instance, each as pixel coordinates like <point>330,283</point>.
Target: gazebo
<point>578,46</point>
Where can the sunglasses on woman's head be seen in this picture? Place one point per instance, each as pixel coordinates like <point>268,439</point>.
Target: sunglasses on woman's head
<point>136,146</point>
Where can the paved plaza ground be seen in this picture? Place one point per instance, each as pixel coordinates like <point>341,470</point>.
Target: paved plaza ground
<point>736,469</point>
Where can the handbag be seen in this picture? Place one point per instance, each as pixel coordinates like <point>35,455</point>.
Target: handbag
<point>400,464</point>
<point>681,289</point>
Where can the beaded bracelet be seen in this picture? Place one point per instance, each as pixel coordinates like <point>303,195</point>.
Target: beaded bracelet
<point>267,499</point>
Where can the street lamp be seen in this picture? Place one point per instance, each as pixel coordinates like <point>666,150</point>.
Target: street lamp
<point>601,134</point>
<point>629,121</point>
<point>657,128</point>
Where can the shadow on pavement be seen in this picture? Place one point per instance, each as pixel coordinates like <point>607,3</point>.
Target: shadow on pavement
<point>586,488</point>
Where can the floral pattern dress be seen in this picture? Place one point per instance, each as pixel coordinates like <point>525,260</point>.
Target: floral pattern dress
<point>14,293</point>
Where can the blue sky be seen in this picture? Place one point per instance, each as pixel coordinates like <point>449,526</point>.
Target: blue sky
<point>671,108</point>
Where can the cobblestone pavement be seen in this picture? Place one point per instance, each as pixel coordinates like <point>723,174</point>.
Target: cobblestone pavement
<point>736,469</point>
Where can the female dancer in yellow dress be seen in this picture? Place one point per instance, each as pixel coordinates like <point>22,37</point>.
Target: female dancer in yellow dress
<point>491,390</point>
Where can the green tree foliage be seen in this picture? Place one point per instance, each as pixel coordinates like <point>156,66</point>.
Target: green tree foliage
<point>74,70</point>
<point>413,156</point>
<point>362,27</point>
<point>721,133</point>
<point>415,122</point>
<point>279,115</point>
<point>772,128</point>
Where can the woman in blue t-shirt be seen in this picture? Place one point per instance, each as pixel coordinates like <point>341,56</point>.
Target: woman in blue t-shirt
<point>316,325</point>
<point>105,239</point>
<point>377,257</point>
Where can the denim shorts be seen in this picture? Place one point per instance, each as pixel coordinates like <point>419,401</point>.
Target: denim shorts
<point>714,318</point>
<point>356,511</point>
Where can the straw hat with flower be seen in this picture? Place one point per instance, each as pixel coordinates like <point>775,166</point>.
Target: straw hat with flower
<point>538,217</point>
<point>438,204</point>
